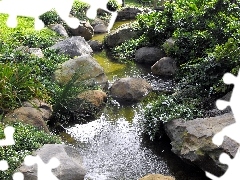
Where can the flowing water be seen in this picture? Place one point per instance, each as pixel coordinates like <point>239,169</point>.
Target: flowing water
<point>112,145</point>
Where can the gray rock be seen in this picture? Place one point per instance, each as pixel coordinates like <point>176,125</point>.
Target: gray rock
<point>100,28</point>
<point>36,51</point>
<point>168,44</point>
<point>70,167</point>
<point>129,13</point>
<point>192,141</point>
<point>88,69</point>
<point>95,45</point>
<point>148,55</point>
<point>120,35</point>
<point>130,89</point>
<point>84,29</point>
<point>34,112</point>
<point>166,66</point>
<point>58,28</point>
<point>74,46</point>
<point>87,104</point>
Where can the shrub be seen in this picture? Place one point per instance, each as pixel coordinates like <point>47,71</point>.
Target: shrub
<point>167,108</point>
<point>206,35</point>
<point>17,84</point>
<point>126,50</point>
<point>27,139</point>
<point>113,5</point>
<point>25,35</point>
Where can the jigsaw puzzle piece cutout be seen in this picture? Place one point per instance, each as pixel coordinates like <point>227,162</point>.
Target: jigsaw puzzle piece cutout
<point>8,133</point>
<point>3,165</point>
<point>232,130</point>
<point>35,8</point>
<point>18,176</point>
<point>44,170</point>
<point>233,167</point>
<point>92,11</point>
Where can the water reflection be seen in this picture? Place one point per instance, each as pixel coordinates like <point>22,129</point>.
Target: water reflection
<point>113,148</point>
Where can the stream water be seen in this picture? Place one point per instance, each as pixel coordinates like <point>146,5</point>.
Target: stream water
<point>112,145</point>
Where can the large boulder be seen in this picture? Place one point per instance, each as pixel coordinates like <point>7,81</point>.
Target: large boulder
<point>148,55</point>
<point>87,69</point>
<point>34,113</point>
<point>120,35</point>
<point>70,168</point>
<point>130,89</point>
<point>87,104</point>
<point>100,28</point>
<point>73,46</point>
<point>59,29</point>
<point>84,29</point>
<point>156,177</point>
<point>192,141</point>
<point>95,45</point>
<point>129,13</point>
<point>166,66</point>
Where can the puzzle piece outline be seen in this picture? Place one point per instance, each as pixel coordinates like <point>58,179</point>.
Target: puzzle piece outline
<point>230,130</point>
<point>17,8</point>
<point>8,141</point>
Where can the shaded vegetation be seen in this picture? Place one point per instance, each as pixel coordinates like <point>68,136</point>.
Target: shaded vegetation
<point>206,45</point>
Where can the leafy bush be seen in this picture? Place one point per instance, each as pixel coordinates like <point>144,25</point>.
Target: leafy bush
<point>167,108</point>
<point>126,50</point>
<point>25,34</point>
<point>157,25</point>
<point>206,45</point>
<point>112,5</point>
<point>27,139</point>
<point>63,98</point>
<point>17,84</point>
<point>78,10</point>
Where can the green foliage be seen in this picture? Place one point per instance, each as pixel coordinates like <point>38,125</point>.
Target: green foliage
<point>27,139</point>
<point>25,35</point>
<point>64,96</point>
<point>167,108</point>
<point>51,17</point>
<point>17,84</point>
<point>78,10</point>
<point>206,45</point>
<point>113,5</point>
<point>157,26</point>
<point>126,50</point>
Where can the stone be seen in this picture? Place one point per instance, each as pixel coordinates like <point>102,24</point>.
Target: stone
<point>95,97</point>
<point>100,28</point>
<point>120,35</point>
<point>129,13</point>
<point>95,45</point>
<point>88,69</point>
<point>59,29</point>
<point>130,89</point>
<point>192,141</point>
<point>87,104</point>
<point>166,66</point>
<point>168,44</point>
<point>36,52</point>
<point>70,168</point>
<point>84,29</point>
<point>156,177</point>
<point>148,55</point>
<point>34,113</point>
<point>33,51</point>
<point>73,46</point>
